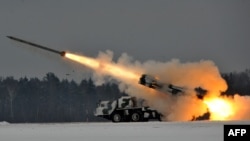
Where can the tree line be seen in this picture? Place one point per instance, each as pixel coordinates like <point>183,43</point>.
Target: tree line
<point>238,82</point>
<point>52,100</point>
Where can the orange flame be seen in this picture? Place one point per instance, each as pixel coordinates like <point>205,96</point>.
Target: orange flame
<point>220,109</point>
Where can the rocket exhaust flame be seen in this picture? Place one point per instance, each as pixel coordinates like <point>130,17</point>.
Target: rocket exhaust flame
<point>190,75</point>
<point>107,68</point>
<point>219,108</point>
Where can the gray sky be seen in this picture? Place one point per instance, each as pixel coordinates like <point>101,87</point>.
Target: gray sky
<point>190,30</point>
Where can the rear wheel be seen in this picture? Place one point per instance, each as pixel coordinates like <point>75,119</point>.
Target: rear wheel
<point>135,117</point>
<point>116,117</point>
<point>159,117</point>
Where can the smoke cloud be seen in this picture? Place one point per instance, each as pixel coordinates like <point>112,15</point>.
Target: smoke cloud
<point>188,75</point>
<point>242,108</point>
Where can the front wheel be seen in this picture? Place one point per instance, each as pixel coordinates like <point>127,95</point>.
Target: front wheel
<point>116,117</point>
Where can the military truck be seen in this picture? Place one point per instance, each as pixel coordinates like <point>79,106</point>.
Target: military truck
<point>126,109</point>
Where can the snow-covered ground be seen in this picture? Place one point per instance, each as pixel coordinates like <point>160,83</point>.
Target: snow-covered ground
<point>144,131</point>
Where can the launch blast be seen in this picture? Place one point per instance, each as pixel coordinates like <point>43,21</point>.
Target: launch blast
<point>62,53</point>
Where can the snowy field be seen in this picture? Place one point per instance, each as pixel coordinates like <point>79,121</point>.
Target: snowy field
<point>144,131</point>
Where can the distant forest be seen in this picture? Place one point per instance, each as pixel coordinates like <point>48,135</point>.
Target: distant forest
<point>51,100</point>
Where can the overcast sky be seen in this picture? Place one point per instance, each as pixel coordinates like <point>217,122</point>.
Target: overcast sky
<point>190,30</point>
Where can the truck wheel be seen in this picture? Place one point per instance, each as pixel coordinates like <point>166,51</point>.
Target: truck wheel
<point>116,117</point>
<point>159,117</point>
<point>135,117</point>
